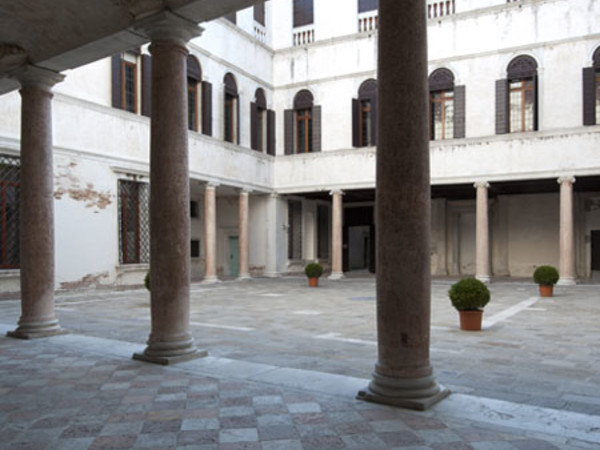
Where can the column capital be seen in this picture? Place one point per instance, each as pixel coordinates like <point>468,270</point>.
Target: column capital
<point>566,179</point>
<point>168,27</point>
<point>274,195</point>
<point>35,76</point>
<point>211,185</point>
<point>336,191</point>
<point>481,184</point>
<point>245,191</point>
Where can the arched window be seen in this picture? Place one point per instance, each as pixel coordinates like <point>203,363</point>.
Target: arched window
<point>446,106</point>
<point>591,91</point>
<point>516,97</point>
<point>364,115</point>
<point>303,125</point>
<point>194,79</point>
<point>231,117</point>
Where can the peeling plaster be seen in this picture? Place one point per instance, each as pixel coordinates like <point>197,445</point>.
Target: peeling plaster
<point>67,183</point>
<point>90,280</point>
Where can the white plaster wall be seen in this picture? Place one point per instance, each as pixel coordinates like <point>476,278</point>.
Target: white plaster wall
<point>91,82</point>
<point>257,237</point>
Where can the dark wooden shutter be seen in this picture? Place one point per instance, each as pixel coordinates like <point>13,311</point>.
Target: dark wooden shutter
<point>117,101</point>
<point>535,103</point>
<point>271,132</point>
<point>374,118</point>
<point>206,108</point>
<point>288,129</point>
<point>146,85</point>
<point>459,112</point>
<point>237,121</point>
<point>253,126</point>
<point>355,123</point>
<point>502,106</point>
<point>589,96</point>
<point>316,128</point>
<point>259,13</point>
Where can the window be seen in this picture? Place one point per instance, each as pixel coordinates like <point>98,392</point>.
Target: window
<point>303,125</point>
<point>262,124</point>
<point>194,77</point>
<point>232,17</point>
<point>367,5</point>
<point>194,209</point>
<point>591,91</point>
<point>125,81</point>
<point>231,116</point>
<point>195,248</point>
<point>303,13</point>
<point>323,215</point>
<point>446,106</point>
<point>259,13</point>
<point>295,229</point>
<point>516,97</point>
<point>10,174</point>
<point>134,222</point>
<point>364,114</point>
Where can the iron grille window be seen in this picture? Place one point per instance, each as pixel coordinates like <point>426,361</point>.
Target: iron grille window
<point>295,229</point>
<point>10,171</point>
<point>134,222</point>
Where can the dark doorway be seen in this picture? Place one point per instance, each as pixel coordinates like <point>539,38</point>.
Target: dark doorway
<point>359,239</point>
<point>596,250</point>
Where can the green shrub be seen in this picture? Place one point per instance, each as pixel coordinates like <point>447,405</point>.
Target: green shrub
<point>545,275</point>
<point>147,281</point>
<point>469,294</point>
<point>313,270</point>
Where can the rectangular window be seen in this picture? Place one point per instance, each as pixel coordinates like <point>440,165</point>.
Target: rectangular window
<point>442,115</point>
<point>10,174</point>
<point>259,13</point>
<point>303,131</point>
<point>521,106</point>
<point>597,96</point>
<point>261,129</point>
<point>323,232</point>
<point>134,222</point>
<point>129,85</point>
<point>366,125</point>
<point>192,104</point>
<point>193,209</point>
<point>195,248</point>
<point>303,13</point>
<point>295,229</point>
<point>229,118</point>
<point>367,5</point>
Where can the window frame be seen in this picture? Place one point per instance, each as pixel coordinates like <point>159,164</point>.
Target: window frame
<point>5,259</point>
<point>125,64</point>
<point>133,193</point>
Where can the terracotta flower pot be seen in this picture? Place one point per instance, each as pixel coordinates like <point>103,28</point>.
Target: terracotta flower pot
<point>546,290</point>
<point>470,320</point>
<point>313,282</point>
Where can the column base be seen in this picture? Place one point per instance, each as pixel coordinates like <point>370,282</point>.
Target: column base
<point>564,281</point>
<point>34,330</point>
<point>484,278</point>
<point>244,277</point>
<point>410,393</point>
<point>167,353</point>
<point>272,274</point>
<point>336,276</point>
<point>169,360</point>
<point>210,280</point>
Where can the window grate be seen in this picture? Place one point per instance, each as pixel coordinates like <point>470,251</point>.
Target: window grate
<point>134,222</point>
<point>10,185</point>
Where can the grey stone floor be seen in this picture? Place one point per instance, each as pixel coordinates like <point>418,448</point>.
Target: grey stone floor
<point>531,377</point>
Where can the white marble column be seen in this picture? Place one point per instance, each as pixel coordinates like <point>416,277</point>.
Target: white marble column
<point>36,207</point>
<point>403,375</point>
<point>482,234</point>
<point>273,227</point>
<point>567,239</point>
<point>210,233</point>
<point>170,339</point>
<point>243,241</point>
<point>337,229</point>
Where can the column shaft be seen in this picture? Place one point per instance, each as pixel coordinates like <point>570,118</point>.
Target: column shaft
<point>482,239</point>
<point>403,375</point>
<point>243,235</point>
<point>337,271</point>
<point>36,209</point>
<point>567,239</point>
<point>210,233</point>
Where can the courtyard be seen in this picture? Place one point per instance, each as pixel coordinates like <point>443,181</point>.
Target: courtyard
<point>529,380</point>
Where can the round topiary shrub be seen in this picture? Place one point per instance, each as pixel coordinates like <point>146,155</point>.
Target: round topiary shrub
<point>147,281</point>
<point>313,270</point>
<point>546,275</point>
<point>469,294</point>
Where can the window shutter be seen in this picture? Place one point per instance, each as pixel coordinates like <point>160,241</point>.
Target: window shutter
<point>271,132</point>
<point>116,81</point>
<point>459,112</point>
<point>237,121</point>
<point>288,119</point>
<point>589,96</point>
<point>374,118</point>
<point>206,108</point>
<point>146,85</point>
<point>535,103</point>
<point>355,123</point>
<point>316,128</point>
<point>253,126</point>
<point>501,106</point>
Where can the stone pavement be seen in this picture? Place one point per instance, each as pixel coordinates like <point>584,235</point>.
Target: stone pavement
<point>285,363</point>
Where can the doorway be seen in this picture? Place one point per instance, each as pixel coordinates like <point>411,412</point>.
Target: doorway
<point>234,256</point>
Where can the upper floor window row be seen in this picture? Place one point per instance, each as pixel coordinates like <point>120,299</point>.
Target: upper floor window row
<point>302,125</point>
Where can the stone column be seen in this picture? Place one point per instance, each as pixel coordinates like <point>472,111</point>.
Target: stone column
<point>36,208</point>
<point>567,240</point>
<point>210,233</point>
<point>403,375</point>
<point>337,229</point>
<point>243,235</point>
<point>482,237</point>
<point>170,339</point>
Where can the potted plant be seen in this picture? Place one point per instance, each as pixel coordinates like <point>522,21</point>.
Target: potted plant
<point>313,271</point>
<point>469,296</point>
<point>546,277</point>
